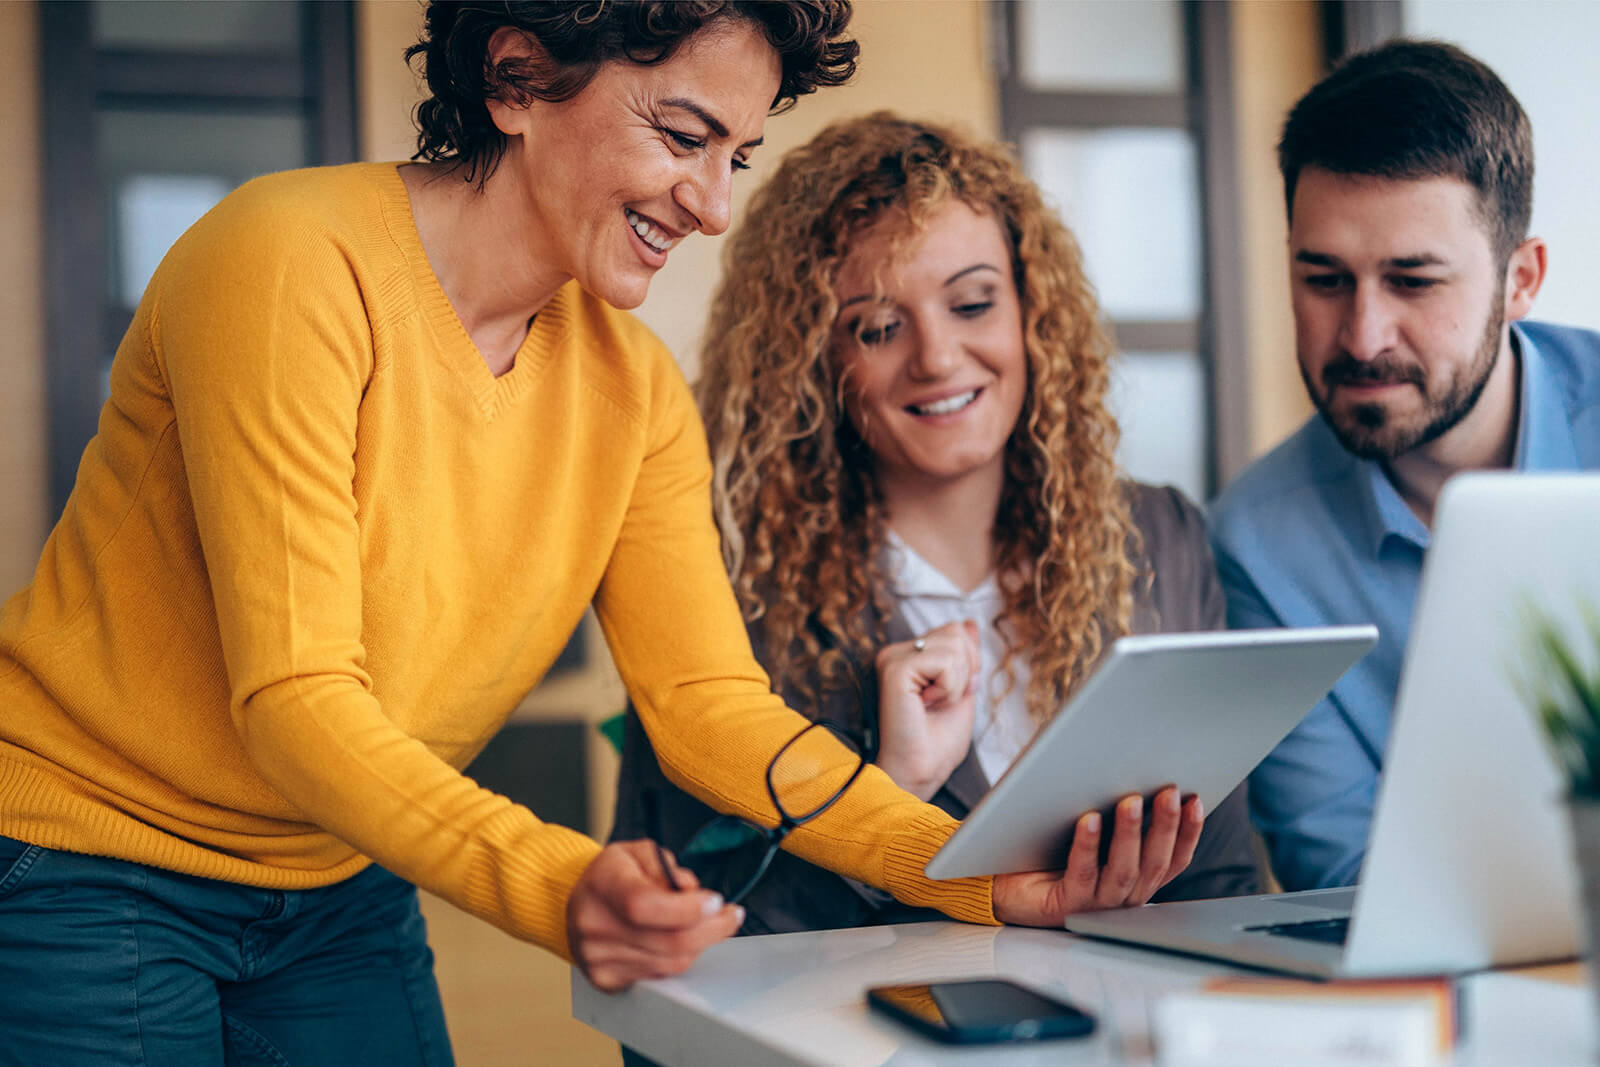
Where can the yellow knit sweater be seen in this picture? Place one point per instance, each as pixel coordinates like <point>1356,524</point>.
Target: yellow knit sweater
<point>317,553</point>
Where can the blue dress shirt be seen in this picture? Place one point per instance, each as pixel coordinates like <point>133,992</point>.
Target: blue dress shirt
<point>1310,535</point>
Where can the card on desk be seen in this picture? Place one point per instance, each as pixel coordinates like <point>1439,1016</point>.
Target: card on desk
<point>1242,1022</point>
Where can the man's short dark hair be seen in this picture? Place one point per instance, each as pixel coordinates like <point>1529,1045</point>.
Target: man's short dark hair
<point>1413,109</point>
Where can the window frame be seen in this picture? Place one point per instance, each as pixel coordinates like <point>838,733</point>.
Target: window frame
<point>1204,108</point>
<point>78,80</point>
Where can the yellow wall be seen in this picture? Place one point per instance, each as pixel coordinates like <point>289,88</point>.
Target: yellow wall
<point>1277,56</point>
<point>386,90</point>
<point>22,428</point>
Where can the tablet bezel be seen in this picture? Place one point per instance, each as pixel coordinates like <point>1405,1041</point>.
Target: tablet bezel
<point>1196,710</point>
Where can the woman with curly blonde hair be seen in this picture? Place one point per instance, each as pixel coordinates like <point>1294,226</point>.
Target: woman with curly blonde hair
<point>904,393</point>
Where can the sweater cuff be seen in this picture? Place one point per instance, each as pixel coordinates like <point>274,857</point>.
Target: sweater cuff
<point>907,854</point>
<point>533,887</point>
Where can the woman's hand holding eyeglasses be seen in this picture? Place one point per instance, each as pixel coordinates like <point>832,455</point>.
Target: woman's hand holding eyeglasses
<point>625,922</point>
<point>927,692</point>
<point>1137,864</point>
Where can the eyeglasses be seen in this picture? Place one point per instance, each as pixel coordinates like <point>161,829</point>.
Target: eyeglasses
<point>735,853</point>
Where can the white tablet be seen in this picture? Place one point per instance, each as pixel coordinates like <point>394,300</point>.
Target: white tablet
<point>1195,710</point>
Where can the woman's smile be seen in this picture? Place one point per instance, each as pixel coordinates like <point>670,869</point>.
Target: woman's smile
<point>934,365</point>
<point>649,232</point>
<point>950,405</point>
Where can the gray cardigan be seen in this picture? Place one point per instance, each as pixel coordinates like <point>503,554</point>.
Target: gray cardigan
<point>1178,591</point>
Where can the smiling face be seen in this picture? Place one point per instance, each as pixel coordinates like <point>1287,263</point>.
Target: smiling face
<point>935,371</point>
<point>609,181</point>
<point>1399,306</point>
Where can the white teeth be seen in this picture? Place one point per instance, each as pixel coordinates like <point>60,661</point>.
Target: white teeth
<point>947,405</point>
<point>648,233</point>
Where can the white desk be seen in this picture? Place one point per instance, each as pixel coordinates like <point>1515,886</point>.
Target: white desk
<point>798,999</point>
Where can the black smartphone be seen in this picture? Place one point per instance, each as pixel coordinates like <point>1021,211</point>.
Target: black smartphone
<point>980,1010</point>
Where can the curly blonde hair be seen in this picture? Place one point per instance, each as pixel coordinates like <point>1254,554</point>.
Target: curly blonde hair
<point>802,520</point>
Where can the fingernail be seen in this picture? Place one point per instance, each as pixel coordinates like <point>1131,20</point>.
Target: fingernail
<point>1199,810</point>
<point>1135,807</point>
<point>712,905</point>
<point>1170,802</point>
<point>1091,822</point>
<point>738,914</point>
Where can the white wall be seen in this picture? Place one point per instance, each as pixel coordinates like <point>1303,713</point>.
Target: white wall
<point>1548,52</point>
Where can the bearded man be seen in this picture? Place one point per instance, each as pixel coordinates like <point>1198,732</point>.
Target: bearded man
<point>1408,176</point>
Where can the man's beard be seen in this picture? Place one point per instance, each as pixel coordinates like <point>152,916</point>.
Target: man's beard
<point>1369,431</point>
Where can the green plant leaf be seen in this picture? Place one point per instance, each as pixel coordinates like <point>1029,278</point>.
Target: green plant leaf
<point>1564,697</point>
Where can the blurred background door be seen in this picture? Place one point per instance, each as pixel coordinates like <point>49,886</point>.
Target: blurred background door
<point>153,111</point>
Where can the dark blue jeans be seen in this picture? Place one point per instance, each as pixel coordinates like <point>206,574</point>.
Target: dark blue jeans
<point>108,962</point>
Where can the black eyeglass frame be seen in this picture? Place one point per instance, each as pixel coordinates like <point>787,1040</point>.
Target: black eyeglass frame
<point>787,822</point>
<point>865,747</point>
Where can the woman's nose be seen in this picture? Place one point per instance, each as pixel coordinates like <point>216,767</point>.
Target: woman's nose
<point>708,196</point>
<point>938,353</point>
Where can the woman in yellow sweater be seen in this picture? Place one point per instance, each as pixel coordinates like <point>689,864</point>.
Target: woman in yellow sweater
<point>376,438</point>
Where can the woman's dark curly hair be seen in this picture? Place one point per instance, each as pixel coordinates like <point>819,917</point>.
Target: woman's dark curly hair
<point>454,125</point>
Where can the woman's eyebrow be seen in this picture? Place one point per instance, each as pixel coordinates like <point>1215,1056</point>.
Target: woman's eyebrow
<point>963,272</point>
<point>957,276</point>
<point>714,124</point>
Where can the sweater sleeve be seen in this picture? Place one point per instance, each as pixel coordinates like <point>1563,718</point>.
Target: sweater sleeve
<point>261,334</point>
<point>675,632</point>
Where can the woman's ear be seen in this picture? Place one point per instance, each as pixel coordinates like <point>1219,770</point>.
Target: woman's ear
<point>522,51</point>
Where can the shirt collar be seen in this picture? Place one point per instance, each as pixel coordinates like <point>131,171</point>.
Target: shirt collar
<point>1544,432</point>
<point>1387,512</point>
<point>912,576</point>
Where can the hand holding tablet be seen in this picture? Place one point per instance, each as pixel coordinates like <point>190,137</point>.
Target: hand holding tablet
<point>1197,710</point>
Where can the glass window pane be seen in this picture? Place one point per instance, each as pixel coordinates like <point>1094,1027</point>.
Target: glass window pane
<point>163,169</point>
<point>255,27</point>
<point>1101,45</point>
<point>1159,399</point>
<point>1132,196</point>
<point>152,211</point>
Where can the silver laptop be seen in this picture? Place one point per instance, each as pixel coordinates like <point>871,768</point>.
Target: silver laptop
<point>1469,864</point>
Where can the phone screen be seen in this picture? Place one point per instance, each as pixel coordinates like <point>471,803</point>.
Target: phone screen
<point>989,1009</point>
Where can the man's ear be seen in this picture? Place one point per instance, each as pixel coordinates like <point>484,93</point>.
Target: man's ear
<point>509,45</point>
<point>1524,275</point>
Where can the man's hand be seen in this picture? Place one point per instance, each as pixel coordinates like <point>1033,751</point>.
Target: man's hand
<point>624,922</point>
<point>926,701</point>
<point>1133,872</point>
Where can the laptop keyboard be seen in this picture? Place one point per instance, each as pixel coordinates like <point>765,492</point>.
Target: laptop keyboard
<point>1328,931</point>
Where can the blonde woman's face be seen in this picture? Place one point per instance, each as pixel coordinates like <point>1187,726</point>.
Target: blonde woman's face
<point>935,372</point>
